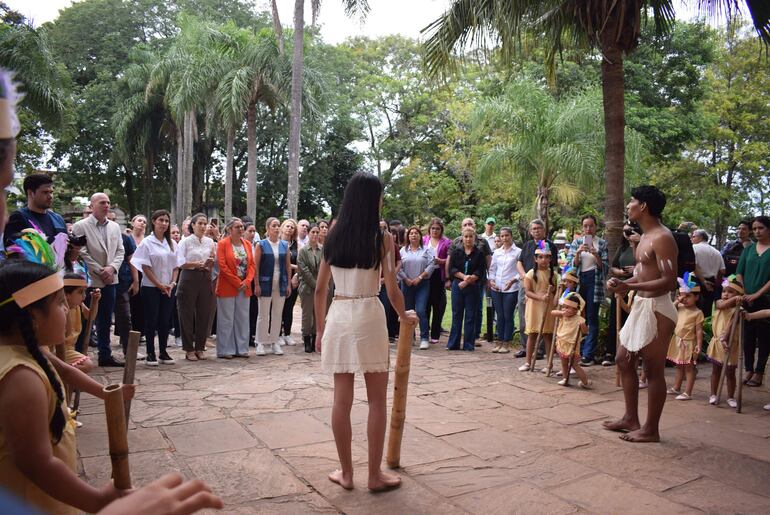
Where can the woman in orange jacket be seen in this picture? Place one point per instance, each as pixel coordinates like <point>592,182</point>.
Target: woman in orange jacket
<point>236,273</point>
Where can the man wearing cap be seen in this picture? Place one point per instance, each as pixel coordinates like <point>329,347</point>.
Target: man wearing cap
<point>38,214</point>
<point>103,254</point>
<point>489,232</point>
<point>709,268</point>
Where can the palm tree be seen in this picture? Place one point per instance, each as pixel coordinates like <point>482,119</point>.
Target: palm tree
<point>295,119</point>
<point>44,82</point>
<point>256,73</point>
<point>611,26</point>
<point>552,147</point>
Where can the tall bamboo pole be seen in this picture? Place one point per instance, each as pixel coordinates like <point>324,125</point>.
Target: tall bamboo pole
<point>542,327</point>
<point>130,366</point>
<point>730,334</point>
<point>739,396</point>
<point>552,348</point>
<point>400,384</point>
<point>117,435</point>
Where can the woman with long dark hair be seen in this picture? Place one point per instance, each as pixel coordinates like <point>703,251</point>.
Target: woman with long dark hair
<point>138,230</point>
<point>754,271</point>
<point>436,240</point>
<point>156,258</point>
<point>623,263</point>
<point>354,337</point>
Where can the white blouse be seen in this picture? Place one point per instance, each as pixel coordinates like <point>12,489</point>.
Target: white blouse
<point>192,249</point>
<point>157,254</point>
<point>503,268</point>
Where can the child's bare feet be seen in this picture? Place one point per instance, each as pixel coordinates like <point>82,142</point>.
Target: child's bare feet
<point>338,477</point>
<point>622,425</point>
<point>384,481</point>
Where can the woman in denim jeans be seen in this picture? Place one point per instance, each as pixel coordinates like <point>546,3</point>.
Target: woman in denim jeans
<point>417,263</point>
<point>504,285</point>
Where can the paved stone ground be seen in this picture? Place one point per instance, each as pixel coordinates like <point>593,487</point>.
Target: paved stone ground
<point>480,437</point>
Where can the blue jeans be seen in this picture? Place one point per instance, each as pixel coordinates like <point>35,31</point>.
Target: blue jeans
<point>465,303</point>
<point>104,320</point>
<point>586,290</point>
<point>416,298</point>
<point>157,318</point>
<point>505,305</point>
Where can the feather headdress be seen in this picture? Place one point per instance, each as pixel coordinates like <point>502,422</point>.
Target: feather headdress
<point>543,248</point>
<point>688,284</point>
<point>570,274</point>
<point>31,246</point>
<point>734,284</point>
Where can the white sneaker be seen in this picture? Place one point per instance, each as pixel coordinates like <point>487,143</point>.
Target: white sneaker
<point>260,350</point>
<point>562,382</point>
<point>683,397</point>
<point>277,349</point>
<point>673,391</point>
<point>140,356</point>
<point>524,367</point>
<point>766,407</point>
<point>734,404</point>
<point>586,385</point>
<point>288,340</point>
<point>424,345</point>
<point>178,341</point>
<point>712,399</point>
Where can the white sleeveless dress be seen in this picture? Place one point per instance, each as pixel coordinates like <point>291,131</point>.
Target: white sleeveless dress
<point>355,336</point>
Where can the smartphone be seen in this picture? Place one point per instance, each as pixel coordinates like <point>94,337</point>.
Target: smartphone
<point>588,240</point>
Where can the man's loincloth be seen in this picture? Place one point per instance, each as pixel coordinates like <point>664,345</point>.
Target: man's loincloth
<point>642,326</point>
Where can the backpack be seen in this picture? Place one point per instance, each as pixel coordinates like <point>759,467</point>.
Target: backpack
<point>685,261</point>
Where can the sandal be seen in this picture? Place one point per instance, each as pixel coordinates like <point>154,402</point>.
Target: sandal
<point>200,354</point>
<point>753,383</point>
<point>190,356</point>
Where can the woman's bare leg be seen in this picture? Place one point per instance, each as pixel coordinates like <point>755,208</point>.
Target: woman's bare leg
<point>376,393</point>
<point>343,433</point>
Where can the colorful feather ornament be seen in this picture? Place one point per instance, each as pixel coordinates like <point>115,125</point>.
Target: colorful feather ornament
<point>33,247</point>
<point>687,283</point>
<point>542,247</point>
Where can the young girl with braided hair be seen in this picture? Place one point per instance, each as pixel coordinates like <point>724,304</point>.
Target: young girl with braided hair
<point>37,436</point>
<point>540,285</point>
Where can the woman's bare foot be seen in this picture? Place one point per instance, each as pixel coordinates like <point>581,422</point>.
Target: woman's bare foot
<point>622,425</point>
<point>641,436</point>
<point>338,477</point>
<point>384,481</point>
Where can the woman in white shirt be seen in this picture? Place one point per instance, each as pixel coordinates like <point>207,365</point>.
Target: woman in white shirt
<point>156,258</point>
<point>194,296</point>
<point>504,285</point>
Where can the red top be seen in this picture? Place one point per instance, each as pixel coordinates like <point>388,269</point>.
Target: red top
<point>228,281</point>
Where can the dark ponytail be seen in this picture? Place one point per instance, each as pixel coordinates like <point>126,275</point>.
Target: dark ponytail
<point>15,275</point>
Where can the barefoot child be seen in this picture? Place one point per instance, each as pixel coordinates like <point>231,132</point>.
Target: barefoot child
<point>75,293</point>
<point>37,436</point>
<point>571,328</point>
<point>540,284</point>
<point>726,307</point>
<point>687,339</point>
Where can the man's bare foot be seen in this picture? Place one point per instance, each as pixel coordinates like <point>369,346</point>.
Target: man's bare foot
<point>383,482</point>
<point>621,425</point>
<point>338,477</point>
<point>641,436</point>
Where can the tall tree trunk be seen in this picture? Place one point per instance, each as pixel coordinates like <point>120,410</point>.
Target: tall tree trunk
<point>189,138</point>
<point>130,197</point>
<point>251,162</point>
<point>277,27</point>
<point>149,164</point>
<point>180,171</point>
<point>613,90</point>
<point>541,205</point>
<point>229,173</point>
<point>295,120</point>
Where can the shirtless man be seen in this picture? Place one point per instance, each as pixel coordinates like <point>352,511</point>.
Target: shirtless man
<point>651,322</point>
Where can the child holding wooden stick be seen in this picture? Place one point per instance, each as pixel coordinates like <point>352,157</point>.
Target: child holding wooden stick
<point>75,293</point>
<point>726,308</point>
<point>37,453</point>
<point>572,327</point>
<point>687,339</point>
<point>540,285</point>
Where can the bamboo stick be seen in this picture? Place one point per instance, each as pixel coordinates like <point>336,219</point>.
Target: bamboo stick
<point>400,384</point>
<point>739,395</point>
<point>118,435</point>
<point>731,334</point>
<point>618,319</point>
<point>59,350</point>
<point>542,327</point>
<point>130,366</point>
<point>572,352</point>
<point>551,349</point>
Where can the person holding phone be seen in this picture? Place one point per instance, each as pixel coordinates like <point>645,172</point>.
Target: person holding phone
<point>588,254</point>
<point>194,294</point>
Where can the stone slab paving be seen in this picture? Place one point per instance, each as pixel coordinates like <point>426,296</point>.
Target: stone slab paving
<point>480,437</point>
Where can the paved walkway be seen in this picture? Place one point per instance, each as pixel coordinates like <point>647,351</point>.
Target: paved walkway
<point>480,437</point>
